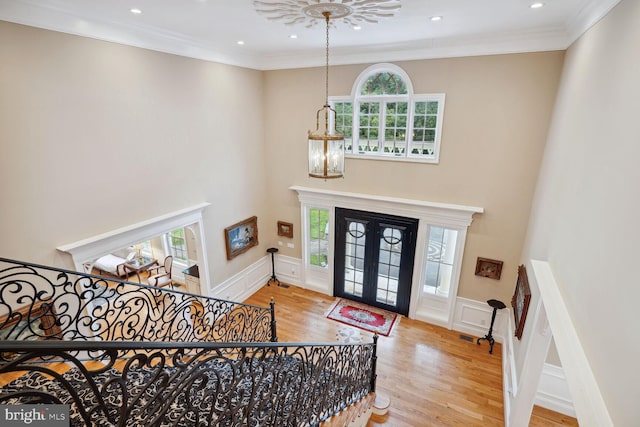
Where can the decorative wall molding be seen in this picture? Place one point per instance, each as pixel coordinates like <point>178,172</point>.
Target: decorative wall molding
<point>289,269</point>
<point>448,214</point>
<point>474,317</point>
<point>588,401</point>
<point>553,391</point>
<point>91,248</point>
<point>245,283</point>
<point>309,12</point>
<point>58,17</point>
<point>101,244</point>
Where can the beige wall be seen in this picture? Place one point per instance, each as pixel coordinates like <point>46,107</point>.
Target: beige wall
<point>96,136</point>
<point>91,128</point>
<point>585,218</point>
<point>495,125</point>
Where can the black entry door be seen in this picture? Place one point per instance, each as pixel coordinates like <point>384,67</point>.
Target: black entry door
<point>374,256</point>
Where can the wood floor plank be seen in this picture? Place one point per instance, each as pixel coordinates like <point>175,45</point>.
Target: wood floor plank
<point>432,376</point>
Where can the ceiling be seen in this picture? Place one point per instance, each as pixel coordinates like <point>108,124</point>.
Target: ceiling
<point>211,29</point>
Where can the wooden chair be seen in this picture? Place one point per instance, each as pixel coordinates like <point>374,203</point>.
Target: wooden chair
<point>161,279</point>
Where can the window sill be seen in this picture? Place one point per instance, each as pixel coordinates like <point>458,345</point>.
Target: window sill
<point>392,158</point>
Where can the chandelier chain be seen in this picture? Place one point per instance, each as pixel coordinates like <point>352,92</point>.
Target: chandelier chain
<point>326,80</point>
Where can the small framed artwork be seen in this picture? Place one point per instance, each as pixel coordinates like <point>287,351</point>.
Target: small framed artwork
<point>490,268</point>
<point>241,237</point>
<point>520,300</point>
<point>285,229</point>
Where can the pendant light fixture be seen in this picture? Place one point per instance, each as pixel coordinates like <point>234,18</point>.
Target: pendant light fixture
<point>326,144</point>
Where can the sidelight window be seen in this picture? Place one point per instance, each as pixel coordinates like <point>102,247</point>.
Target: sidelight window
<point>440,259</point>
<point>318,237</point>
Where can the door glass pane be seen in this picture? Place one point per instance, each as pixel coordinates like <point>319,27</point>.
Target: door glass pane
<point>389,265</point>
<point>355,239</point>
<point>439,265</point>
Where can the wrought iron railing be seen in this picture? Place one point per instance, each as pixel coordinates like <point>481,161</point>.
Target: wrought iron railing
<point>39,302</point>
<point>122,354</point>
<point>166,384</point>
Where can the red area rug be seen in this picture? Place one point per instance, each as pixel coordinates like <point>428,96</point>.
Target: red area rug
<point>363,316</point>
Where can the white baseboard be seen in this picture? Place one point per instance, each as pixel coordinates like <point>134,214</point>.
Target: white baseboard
<point>553,391</point>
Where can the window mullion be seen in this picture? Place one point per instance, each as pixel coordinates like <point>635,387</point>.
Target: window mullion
<point>356,126</point>
<point>382,126</point>
<point>410,115</point>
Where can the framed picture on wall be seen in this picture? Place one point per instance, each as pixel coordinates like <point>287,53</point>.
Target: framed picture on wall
<point>490,268</point>
<point>241,237</point>
<point>285,229</point>
<point>520,300</point>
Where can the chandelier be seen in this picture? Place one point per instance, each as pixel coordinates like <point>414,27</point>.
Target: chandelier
<point>326,144</point>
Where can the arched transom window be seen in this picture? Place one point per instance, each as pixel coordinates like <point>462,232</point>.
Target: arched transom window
<point>384,119</point>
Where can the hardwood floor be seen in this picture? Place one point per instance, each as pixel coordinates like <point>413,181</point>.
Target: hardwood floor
<point>432,376</point>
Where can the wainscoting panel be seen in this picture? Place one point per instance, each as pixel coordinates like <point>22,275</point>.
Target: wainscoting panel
<point>587,398</point>
<point>245,283</point>
<point>288,269</point>
<point>474,317</point>
<point>553,391</point>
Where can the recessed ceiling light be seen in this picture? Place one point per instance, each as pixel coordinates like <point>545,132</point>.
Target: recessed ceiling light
<point>537,5</point>
<point>357,27</point>
<point>436,18</point>
<point>240,42</point>
<point>135,11</point>
<point>293,36</point>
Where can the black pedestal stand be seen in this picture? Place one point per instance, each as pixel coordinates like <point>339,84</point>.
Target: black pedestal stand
<point>273,277</point>
<point>497,305</point>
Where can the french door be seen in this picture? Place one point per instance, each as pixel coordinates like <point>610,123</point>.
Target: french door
<point>374,256</point>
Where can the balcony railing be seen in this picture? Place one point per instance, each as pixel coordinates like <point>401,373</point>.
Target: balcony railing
<point>124,354</point>
<point>39,302</point>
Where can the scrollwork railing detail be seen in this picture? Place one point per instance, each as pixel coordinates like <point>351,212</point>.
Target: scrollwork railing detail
<point>265,384</point>
<point>38,302</point>
<point>124,354</point>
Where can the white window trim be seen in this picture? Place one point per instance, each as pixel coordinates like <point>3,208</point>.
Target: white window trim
<point>411,98</point>
<point>315,276</point>
<point>428,213</point>
<point>178,264</point>
<point>88,250</point>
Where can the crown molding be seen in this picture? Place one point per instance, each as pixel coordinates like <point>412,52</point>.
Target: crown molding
<point>587,17</point>
<point>36,14</point>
